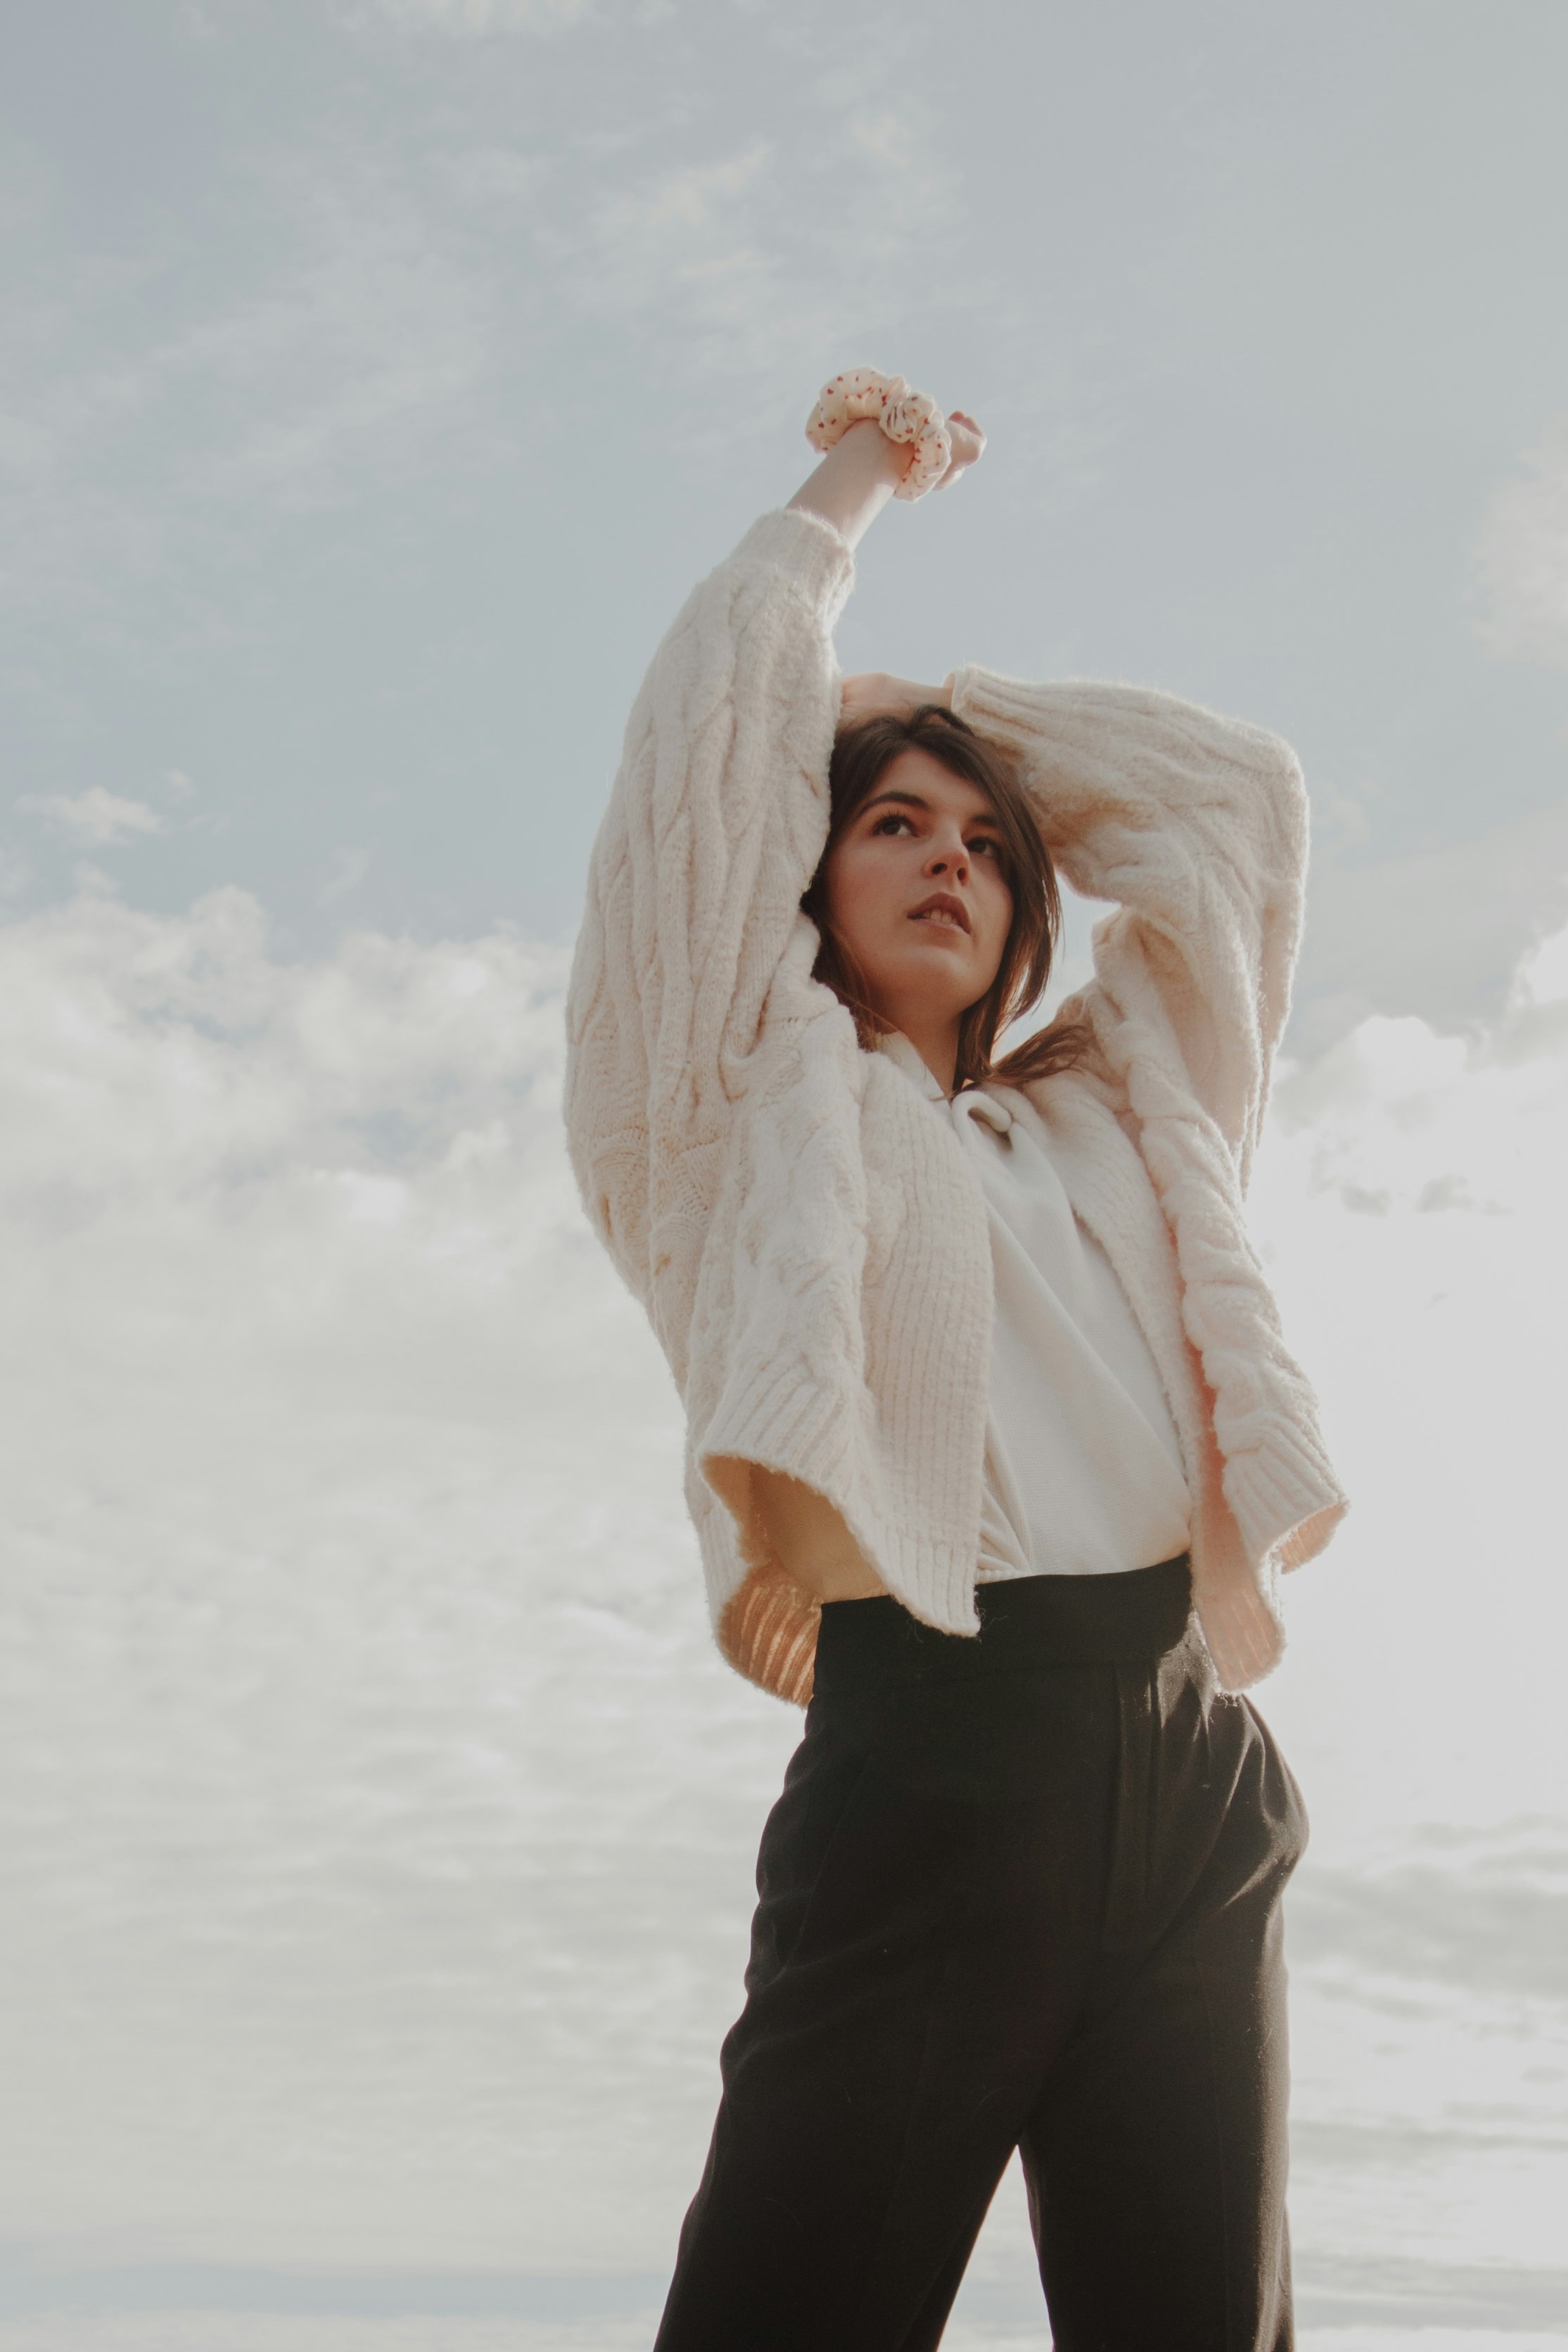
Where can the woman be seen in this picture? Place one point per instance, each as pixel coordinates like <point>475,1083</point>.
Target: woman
<point>995,1449</point>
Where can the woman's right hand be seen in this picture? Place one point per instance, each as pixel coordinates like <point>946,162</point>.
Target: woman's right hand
<point>874,690</point>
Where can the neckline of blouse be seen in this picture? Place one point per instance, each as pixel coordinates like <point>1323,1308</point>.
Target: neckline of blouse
<point>975,1101</point>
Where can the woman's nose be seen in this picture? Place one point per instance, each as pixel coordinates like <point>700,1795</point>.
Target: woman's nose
<point>949,857</point>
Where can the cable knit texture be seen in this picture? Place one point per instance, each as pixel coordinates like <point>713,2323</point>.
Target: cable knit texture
<point>808,1241</point>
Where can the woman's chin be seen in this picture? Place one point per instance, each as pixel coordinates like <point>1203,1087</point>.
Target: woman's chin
<point>919,1002</point>
<point>933,953</point>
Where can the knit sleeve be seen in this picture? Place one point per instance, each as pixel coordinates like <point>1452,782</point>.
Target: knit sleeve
<point>1196,826</point>
<point>715,823</point>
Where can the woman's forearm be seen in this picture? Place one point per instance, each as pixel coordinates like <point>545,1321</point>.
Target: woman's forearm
<point>855,479</point>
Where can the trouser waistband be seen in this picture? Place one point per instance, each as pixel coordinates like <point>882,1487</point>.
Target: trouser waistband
<point>1026,1622</point>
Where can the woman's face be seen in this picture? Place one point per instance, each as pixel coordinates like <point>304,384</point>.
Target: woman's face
<point>916,889</point>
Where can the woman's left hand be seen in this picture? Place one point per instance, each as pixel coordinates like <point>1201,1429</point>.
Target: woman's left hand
<point>969,445</point>
<point>873,691</point>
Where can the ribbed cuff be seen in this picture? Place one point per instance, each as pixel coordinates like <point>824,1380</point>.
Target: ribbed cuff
<point>1282,1504</point>
<point>1008,710</point>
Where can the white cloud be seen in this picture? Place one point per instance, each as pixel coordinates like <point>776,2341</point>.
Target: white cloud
<point>695,197</point>
<point>315,2331</point>
<point>354,335</point>
<point>346,1536</point>
<point>1523,559</point>
<point>380,1818</point>
<point>95,815</point>
<point>479,16</point>
<point>348,870</point>
<point>404,302</point>
<point>695,242</point>
<point>1409,1207</point>
<point>1437,929</point>
<point>721,252</point>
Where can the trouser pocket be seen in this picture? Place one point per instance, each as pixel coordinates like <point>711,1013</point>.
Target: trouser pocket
<point>810,1818</point>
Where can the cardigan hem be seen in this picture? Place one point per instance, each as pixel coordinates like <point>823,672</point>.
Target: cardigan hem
<point>935,1582</point>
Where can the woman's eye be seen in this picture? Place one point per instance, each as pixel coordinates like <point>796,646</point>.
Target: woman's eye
<point>886,824</point>
<point>983,841</point>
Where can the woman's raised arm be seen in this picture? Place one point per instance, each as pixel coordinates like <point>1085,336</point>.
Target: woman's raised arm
<point>714,829</point>
<point>1196,826</point>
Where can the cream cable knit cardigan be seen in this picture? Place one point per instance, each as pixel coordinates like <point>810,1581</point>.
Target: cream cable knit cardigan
<point>809,1242</point>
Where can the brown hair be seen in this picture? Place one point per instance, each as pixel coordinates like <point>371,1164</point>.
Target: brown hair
<point>863,751</point>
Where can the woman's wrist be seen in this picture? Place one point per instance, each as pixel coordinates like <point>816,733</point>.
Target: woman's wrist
<point>855,480</point>
<point>865,448</point>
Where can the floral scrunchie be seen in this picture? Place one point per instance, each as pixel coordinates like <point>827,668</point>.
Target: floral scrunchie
<point>904,415</point>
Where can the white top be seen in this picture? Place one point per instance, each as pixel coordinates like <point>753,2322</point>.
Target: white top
<point>1083,1472</point>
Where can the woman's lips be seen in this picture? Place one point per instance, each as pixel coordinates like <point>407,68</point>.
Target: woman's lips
<point>941,908</point>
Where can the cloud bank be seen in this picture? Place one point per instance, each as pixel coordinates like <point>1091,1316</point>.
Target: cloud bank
<point>95,817</point>
<point>1523,559</point>
<point>381,1819</point>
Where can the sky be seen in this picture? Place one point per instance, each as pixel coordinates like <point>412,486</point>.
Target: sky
<point>376,1820</point>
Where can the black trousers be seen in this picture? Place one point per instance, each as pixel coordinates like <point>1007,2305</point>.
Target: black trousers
<point>1019,1890</point>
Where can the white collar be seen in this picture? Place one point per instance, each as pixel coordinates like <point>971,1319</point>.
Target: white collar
<point>974,1100</point>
